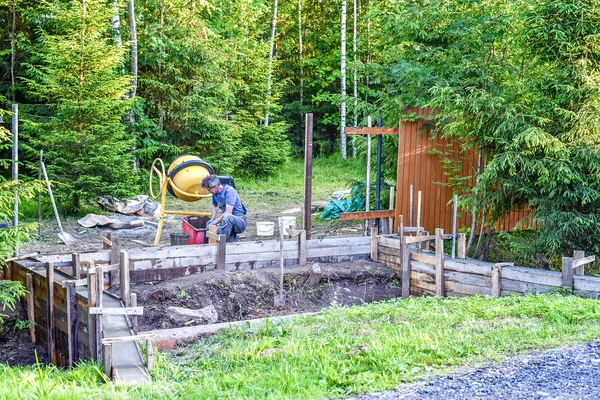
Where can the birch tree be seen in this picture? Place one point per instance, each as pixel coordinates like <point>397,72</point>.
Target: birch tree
<point>343,82</point>
<point>355,80</point>
<point>271,48</point>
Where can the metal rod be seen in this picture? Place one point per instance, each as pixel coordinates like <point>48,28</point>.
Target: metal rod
<point>368,177</point>
<point>15,167</point>
<point>308,173</point>
<point>454,225</point>
<point>40,196</point>
<point>411,206</point>
<point>378,187</point>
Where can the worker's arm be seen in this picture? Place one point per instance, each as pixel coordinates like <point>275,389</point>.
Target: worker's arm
<point>215,211</point>
<point>228,210</point>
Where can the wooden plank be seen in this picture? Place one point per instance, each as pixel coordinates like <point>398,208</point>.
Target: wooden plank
<point>302,248</point>
<point>150,354</point>
<point>353,130</point>
<point>115,277</point>
<point>331,242</point>
<point>423,268</point>
<point>339,251</point>
<point>211,229</point>
<point>117,311</point>
<point>30,306</point>
<point>461,246</point>
<point>374,240</point>
<point>468,266</point>
<point>587,283</point>
<point>125,277</point>
<point>76,264</point>
<point>424,258</point>
<point>405,271</point>
<point>439,262</point>
<point>132,338</point>
<point>461,289</point>
<point>389,241</point>
<point>509,285</point>
<point>134,319</point>
<point>107,351</point>
<point>496,290</point>
<point>418,239</point>
<point>353,216</point>
<point>567,272</point>
<point>222,248</point>
<point>106,240</point>
<point>530,275</point>
<point>91,323</point>
<point>469,279</point>
<point>580,262</point>
<point>50,312</point>
<point>99,319</point>
<point>72,344</point>
<point>212,236</point>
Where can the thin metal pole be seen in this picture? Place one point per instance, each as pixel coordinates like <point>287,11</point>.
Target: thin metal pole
<point>378,187</point>
<point>15,167</point>
<point>40,197</point>
<point>368,177</point>
<point>308,173</point>
<point>410,212</point>
<point>454,225</point>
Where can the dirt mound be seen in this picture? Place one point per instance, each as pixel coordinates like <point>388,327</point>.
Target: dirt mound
<point>16,347</point>
<point>219,296</point>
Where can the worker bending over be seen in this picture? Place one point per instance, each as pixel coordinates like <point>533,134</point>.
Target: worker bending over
<point>233,213</point>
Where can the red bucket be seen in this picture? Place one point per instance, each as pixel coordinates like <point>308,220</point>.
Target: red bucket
<point>196,228</point>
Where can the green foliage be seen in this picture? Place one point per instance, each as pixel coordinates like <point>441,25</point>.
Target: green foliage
<point>10,292</point>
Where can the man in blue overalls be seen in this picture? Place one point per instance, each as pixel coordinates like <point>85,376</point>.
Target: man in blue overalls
<point>225,198</point>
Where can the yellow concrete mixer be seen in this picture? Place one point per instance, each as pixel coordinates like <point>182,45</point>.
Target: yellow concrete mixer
<point>183,180</point>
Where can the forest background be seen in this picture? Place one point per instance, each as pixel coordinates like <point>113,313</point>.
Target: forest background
<point>105,86</point>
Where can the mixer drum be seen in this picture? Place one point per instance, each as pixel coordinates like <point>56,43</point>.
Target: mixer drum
<point>186,173</point>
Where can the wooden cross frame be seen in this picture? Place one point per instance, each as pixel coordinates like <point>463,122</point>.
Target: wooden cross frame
<point>378,213</point>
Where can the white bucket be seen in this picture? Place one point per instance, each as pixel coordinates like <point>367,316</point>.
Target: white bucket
<point>288,222</point>
<point>265,228</point>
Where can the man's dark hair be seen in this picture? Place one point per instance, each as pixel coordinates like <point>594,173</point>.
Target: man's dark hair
<point>210,181</point>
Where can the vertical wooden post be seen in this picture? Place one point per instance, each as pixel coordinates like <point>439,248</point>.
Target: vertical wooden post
<point>92,287</point>
<point>72,339</point>
<point>374,244</point>
<point>496,281</point>
<point>567,272</point>
<point>125,277</point>
<point>213,229</point>
<point>577,254</point>
<point>134,319</point>
<point>221,251</point>
<point>108,235</point>
<point>425,245</point>
<point>308,145</point>
<point>461,246</point>
<point>391,207</point>
<point>439,263</point>
<point>50,311</point>
<point>99,318</point>
<point>114,259</point>
<point>418,209</point>
<point>107,350</point>
<point>302,248</point>
<point>150,354</point>
<point>76,262</point>
<point>31,306</point>
<point>405,270</point>
<point>401,227</point>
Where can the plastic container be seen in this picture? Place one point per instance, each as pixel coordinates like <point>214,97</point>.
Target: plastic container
<point>288,222</point>
<point>196,228</point>
<point>265,228</point>
<point>178,239</point>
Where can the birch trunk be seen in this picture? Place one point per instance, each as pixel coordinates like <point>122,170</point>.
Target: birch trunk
<point>270,73</point>
<point>355,79</point>
<point>474,210</point>
<point>343,82</point>
<point>13,50</point>
<point>301,57</point>
<point>134,50</point>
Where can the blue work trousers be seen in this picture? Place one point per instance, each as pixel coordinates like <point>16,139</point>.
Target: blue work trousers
<point>230,226</point>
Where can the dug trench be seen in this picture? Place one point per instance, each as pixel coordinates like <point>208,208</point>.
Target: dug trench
<point>215,296</point>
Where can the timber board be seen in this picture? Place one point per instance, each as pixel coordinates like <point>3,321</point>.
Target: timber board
<point>389,241</point>
<point>466,266</point>
<point>423,268</point>
<point>389,250</point>
<point>462,289</point>
<point>469,279</point>
<point>525,287</point>
<point>586,283</point>
<point>530,275</point>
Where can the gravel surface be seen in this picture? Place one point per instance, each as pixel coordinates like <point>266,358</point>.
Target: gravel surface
<point>567,373</point>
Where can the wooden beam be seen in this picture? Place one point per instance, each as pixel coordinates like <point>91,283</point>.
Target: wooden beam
<point>222,250</point>
<point>115,277</point>
<point>374,244</point>
<point>107,350</point>
<point>370,131</point>
<point>116,310</point>
<point>134,320</point>
<point>567,272</point>
<point>150,353</point>
<point>352,216</point>
<point>405,269</point>
<point>308,163</point>
<point>496,290</point>
<point>439,262</point>
<point>418,239</point>
<point>99,319</point>
<point>50,311</point>
<point>106,240</point>
<point>580,262</point>
<point>92,287</point>
<point>302,248</point>
<point>212,230</point>
<point>76,264</point>
<point>461,246</point>
<point>30,306</point>
<point>124,277</point>
<point>132,338</point>
<point>72,336</point>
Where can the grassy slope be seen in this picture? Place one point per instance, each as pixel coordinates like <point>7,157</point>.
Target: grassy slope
<point>339,351</point>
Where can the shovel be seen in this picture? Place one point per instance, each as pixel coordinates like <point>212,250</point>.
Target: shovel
<point>63,236</point>
<point>279,300</point>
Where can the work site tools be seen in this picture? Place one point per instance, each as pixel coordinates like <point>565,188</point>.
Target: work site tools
<point>62,235</point>
<point>184,181</point>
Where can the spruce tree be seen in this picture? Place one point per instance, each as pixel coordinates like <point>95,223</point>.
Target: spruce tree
<point>76,74</point>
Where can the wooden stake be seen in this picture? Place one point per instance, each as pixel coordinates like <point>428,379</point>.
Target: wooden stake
<point>108,236</point>
<point>405,271</point>
<point>222,249</point>
<point>115,276</point>
<point>213,229</point>
<point>92,287</point>
<point>418,209</point>
<point>302,248</point>
<point>50,311</point>
<point>308,145</point>
<point>496,281</point>
<point>374,244</point>
<point>31,306</point>
<point>76,263</point>
<point>391,207</point>
<point>125,277</point>
<point>461,247</point>
<point>107,350</point>
<point>99,319</point>
<point>72,337</point>
<point>134,319</point>
<point>439,262</point>
<point>578,254</point>
<point>567,272</point>
<point>150,354</point>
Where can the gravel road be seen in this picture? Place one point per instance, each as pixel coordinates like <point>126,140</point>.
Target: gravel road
<point>568,373</point>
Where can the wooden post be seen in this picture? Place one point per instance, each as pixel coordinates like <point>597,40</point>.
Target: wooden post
<point>401,226</point>
<point>461,246</point>
<point>567,272</point>
<point>405,271</point>
<point>439,263</point>
<point>577,254</point>
<point>76,261</point>
<point>213,229</point>
<point>391,207</point>
<point>72,339</point>
<point>221,251</point>
<point>496,281</point>
<point>108,235</point>
<point>425,245</point>
<point>418,209</point>
<point>92,287</point>
<point>374,244</point>
<point>100,303</point>
<point>107,350</point>
<point>302,248</point>
<point>150,354</point>
<point>308,145</point>
<point>114,259</point>
<point>50,311</point>
<point>134,319</point>
<point>125,277</point>
<point>31,306</point>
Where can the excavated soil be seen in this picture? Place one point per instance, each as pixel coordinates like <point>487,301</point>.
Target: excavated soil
<point>233,296</point>
<point>16,347</point>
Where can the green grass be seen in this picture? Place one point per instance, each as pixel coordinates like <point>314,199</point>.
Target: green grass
<point>337,352</point>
